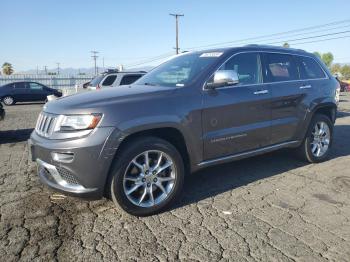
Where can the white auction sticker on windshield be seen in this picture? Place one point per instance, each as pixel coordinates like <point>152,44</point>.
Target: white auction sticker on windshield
<point>211,54</point>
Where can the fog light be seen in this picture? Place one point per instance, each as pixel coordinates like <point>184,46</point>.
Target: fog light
<point>63,157</point>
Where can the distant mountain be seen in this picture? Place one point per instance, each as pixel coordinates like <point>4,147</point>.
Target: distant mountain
<point>76,71</point>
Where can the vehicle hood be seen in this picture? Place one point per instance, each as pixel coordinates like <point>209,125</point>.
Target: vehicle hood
<point>101,100</point>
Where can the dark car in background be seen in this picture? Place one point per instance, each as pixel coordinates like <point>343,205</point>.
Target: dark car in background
<point>26,92</point>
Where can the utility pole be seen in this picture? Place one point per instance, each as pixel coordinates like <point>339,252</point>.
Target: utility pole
<point>177,30</point>
<point>94,56</point>
<point>45,69</point>
<point>58,68</point>
<point>103,63</point>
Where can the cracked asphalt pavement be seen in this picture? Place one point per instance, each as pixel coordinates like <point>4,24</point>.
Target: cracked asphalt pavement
<point>267,208</point>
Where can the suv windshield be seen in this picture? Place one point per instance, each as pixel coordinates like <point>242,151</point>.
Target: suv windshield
<point>96,80</point>
<point>179,71</point>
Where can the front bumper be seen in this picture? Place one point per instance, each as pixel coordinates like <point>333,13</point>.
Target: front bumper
<point>50,175</point>
<point>85,175</point>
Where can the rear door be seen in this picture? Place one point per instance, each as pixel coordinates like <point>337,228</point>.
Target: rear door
<point>288,91</point>
<point>237,118</point>
<point>20,92</point>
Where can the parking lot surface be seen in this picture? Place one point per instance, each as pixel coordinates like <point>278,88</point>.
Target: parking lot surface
<point>267,208</point>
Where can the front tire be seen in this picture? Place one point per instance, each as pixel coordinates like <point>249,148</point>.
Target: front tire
<point>318,141</point>
<point>147,176</point>
<point>8,100</point>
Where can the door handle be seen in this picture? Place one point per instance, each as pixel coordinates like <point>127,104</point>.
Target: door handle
<point>261,92</point>
<point>305,87</point>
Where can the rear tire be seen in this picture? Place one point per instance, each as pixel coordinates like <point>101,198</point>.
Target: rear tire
<point>8,100</point>
<point>141,187</point>
<point>318,141</point>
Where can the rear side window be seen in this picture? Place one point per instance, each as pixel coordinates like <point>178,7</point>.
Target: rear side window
<point>280,67</point>
<point>109,80</point>
<point>129,79</point>
<point>309,68</point>
<point>247,66</point>
<point>20,85</point>
<point>35,86</point>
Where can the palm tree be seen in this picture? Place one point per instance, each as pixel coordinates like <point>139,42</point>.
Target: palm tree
<point>7,68</point>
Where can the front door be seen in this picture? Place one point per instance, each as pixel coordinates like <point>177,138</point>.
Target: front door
<point>237,118</point>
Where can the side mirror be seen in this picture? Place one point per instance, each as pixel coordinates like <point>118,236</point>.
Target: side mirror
<point>223,78</point>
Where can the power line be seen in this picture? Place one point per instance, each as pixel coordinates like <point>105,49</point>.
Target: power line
<point>95,56</point>
<point>323,40</point>
<point>300,34</point>
<point>177,30</point>
<point>151,59</point>
<point>272,35</point>
<point>156,58</point>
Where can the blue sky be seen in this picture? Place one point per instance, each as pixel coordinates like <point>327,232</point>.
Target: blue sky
<point>38,33</point>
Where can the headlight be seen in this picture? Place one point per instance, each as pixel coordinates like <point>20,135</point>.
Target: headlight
<point>78,122</point>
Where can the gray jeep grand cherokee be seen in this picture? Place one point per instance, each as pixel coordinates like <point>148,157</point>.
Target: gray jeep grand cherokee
<point>136,143</point>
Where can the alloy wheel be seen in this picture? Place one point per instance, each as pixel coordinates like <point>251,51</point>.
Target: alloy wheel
<point>321,135</point>
<point>149,178</point>
<point>8,100</point>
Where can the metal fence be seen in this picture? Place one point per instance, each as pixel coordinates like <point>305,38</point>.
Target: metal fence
<point>54,81</point>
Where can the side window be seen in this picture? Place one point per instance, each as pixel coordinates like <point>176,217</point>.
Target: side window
<point>109,80</point>
<point>19,85</point>
<point>280,67</point>
<point>129,79</point>
<point>247,66</point>
<point>309,68</point>
<point>35,86</point>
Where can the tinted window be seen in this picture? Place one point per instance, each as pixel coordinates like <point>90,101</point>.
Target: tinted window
<point>109,80</point>
<point>309,68</point>
<point>247,65</point>
<point>129,79</point>
<point>281,67</point>
<point>19,85</point>
<point>35,86</point>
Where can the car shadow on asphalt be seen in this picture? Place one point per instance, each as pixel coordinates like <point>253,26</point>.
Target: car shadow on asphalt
<point>15,136</point>
<point>215,180</point>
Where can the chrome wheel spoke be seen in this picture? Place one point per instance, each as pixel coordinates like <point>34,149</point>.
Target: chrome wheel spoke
<point>161,187</point>
<point>139,166</point>
<point>166,179</point>
<point>159,160</point>
<point>143,195</point>
<point>165,166</point>
<point>146,160</point>
<point>134,179</point>
<point>150,192</point>
<point>133,189</point>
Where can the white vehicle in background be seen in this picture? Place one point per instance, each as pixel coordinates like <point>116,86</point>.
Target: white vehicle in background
<point>113,78</point>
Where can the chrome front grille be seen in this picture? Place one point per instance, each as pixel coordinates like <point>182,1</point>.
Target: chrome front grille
<point>45,124</point>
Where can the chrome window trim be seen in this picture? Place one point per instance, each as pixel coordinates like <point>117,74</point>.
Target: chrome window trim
<point>266,83</point>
